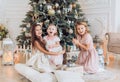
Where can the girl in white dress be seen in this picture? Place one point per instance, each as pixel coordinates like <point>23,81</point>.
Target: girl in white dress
<point>39,61</point>
<point>53,44</point>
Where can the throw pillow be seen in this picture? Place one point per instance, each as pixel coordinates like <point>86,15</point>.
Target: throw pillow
<point>68,76</point>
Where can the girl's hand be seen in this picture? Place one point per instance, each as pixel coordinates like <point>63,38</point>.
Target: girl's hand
<point>50,46</point>
<point>76,62</point>
<point>61,52</point>
<point>75,41</point>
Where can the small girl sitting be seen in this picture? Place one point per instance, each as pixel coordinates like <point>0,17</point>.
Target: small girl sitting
<point>52,42</point>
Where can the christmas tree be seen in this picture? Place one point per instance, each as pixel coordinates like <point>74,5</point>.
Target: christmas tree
<point>63,13</point>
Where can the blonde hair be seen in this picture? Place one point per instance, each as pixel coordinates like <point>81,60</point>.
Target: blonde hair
<point>81,23</point>
<point>55,27</point>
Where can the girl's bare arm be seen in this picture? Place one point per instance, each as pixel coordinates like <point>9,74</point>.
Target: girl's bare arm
<point>84,46</point>
<point>39,47</point>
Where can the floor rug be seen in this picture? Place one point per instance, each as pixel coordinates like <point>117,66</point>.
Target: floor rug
<point>104,75</point>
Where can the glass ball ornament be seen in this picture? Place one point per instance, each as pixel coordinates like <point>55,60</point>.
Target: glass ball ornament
<point>59,12</point>
<point>70,31</point>
<point>51,12</point>
<point>56,5</point>
<point>8,51</point>
<point>49,7</point>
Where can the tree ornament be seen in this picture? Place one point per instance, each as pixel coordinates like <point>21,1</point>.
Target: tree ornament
<point>44,2</point>
<point>64,1</point>
<point>56,5</point>
<point>27,34</point>
<point>76,12</point>
<point>76,16</point>
<point>24,29</point>
<point>65,10</point>
<point>58,11</point>
<point>28,25</point>
<point>34,4</point>
<point>47,21</point>
<point>30,7</point>
<point>40,7</point>
<point>69,9</point>
<point>49,7</point>
<point>36,1</point>
<point>33,19</point>
<point>70,31</point>
<point>48,1</point>
<point>31,14</point>
<point>36,16</point>
<point>60,33</point>
<point>51,12</point>
<point>73,5</point>
<point>53,7</point>
<point>41,23</point>
<point>69,22</point>
<point>41,1</point>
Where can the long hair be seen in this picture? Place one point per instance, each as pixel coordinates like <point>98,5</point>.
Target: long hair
<point>81,23</point>
<point>34,37</point>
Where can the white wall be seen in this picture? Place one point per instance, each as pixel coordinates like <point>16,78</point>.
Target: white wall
<point>13,12</point>
<point>117,16</point>
<point>103,15</point>
<point>1,12</point>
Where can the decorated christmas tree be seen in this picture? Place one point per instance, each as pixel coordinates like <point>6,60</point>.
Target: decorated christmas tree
<point>62,13</point>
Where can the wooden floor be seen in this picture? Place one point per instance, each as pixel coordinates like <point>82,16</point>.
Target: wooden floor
<point>8,73</point>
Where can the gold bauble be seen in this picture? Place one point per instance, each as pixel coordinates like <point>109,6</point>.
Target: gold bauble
<point>73,5</point>
<point>41,23</point>
<point>51,11</point>
<point>36,16</point>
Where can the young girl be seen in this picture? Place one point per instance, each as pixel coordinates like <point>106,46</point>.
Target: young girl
<point>88,56</point>
<point>39,61</point>
<point>52,44</point>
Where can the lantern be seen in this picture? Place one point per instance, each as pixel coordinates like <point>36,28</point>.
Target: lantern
<point>100,55</point>
<point>8,50</point>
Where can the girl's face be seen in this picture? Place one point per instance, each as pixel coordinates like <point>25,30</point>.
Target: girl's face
<point>38,31</point>
<point>51,30</point>
<point>81,29</point>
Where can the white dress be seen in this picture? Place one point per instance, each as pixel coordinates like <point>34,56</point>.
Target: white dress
<point>40,62</point>
<point>55,60</point>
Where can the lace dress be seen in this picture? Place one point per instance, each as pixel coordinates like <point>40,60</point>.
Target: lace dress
<point>89,58</point>
<point>40,62</point>
<point>55,60</point>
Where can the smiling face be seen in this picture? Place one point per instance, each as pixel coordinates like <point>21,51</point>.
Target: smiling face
<point>38,31</point>
<point>81,29</point>
<point>52,30</point>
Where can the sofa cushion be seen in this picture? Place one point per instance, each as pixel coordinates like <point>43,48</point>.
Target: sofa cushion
<point>114,42</point>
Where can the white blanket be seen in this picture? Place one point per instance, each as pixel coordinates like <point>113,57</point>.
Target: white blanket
<point>34,75</point>
<point>58,76</point>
